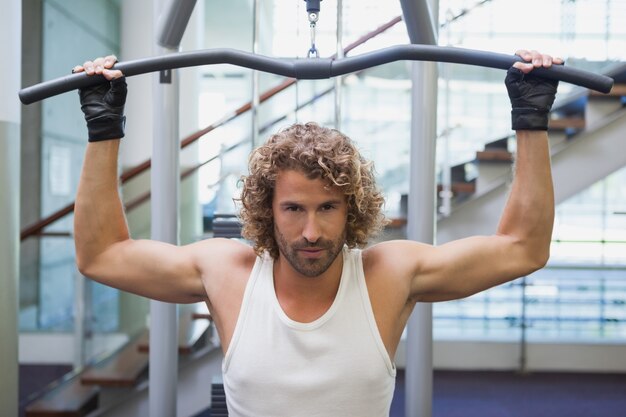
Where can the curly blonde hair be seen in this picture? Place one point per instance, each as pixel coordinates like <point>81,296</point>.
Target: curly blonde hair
<point>319,152</point>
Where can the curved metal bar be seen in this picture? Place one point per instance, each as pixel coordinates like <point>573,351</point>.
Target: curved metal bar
<point>320,68</point>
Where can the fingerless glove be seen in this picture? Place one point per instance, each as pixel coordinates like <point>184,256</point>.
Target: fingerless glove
<point>531,99</point>
<point>103,106</point>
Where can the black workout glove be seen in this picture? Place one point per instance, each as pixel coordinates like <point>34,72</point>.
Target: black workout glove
<point>103,106</point>
<point>531,99</point>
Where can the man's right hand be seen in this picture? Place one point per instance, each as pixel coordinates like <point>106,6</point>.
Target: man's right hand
<point>103,104</point>
<point>531,96</point>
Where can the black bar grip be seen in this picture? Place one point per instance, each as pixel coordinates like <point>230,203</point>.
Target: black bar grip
<point>315,68</point>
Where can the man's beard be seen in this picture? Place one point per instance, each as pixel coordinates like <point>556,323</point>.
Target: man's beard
<point>310,267</point>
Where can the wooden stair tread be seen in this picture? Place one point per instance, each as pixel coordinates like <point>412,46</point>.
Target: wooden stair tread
<point>69,399</point>
<point>396,222</point>
<point>617,90</point>
<point>460,187</point>
<point>123,369</point>
<point>190,332</point>
<point>199,316</point>
<point>567,123</point>
<point>495,155</point>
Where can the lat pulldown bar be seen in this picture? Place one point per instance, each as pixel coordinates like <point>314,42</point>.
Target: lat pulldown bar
<point>313,69</point>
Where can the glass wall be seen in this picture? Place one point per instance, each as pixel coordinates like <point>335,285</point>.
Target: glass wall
<point>577,297</point>
<point>580,295</point>
<point>72,32</point>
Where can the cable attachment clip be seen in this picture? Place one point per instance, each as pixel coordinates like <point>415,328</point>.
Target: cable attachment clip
<point>313,12</point>
<point>313,17</point>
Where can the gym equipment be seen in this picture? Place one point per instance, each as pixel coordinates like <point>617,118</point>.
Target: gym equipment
<point>319,68</point>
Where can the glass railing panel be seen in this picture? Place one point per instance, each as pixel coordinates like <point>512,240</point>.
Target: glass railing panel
<point>581,299</point>
<point>590,226</point>
<point>56,284</point>
<point>493,314</point>
<point>583,304</point>
<point>69,305</point>
<point>555,304</point>
<point>222,92</point>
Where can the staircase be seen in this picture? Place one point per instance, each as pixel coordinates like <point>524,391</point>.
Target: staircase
<point>587,140</point>
<point>120,380</point>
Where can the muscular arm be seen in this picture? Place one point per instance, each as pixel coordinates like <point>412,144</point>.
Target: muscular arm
<point>521,243</point>
<point>519,247</point>
<point>106,253</point>
<point>528,217</point>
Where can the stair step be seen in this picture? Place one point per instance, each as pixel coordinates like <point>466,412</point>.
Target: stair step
<point>191,333</point>
<point>460,187</point>
<point>123,369</point>
<point>494,155</point>
<point>69,398</point>
<point>567,123</point>
<point>618,90</point>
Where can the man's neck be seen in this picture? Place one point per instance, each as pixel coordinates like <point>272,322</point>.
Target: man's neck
<point>309,296</point>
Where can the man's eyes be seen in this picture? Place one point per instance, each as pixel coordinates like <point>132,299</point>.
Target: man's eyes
<point>324,207</point>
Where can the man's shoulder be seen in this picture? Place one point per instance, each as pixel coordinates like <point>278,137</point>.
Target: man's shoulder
<point>393,255</point>
<point>225,253</point>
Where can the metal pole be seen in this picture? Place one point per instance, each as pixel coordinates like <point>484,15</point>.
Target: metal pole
<point>164,227</point>
<point>339,80</point>
<point>523,358</point>
<point>421,227</point>
<point>446,177</point>
<point>256,100</point>
<point>79,320</point>
<point>420,18</point>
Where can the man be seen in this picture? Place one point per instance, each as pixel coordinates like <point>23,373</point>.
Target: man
<point>310,326</point>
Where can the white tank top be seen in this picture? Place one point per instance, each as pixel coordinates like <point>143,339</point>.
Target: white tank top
<point>336,365</point>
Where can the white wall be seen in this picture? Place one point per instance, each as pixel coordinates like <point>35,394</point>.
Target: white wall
<point>493,355</point>
<point>10,28</point>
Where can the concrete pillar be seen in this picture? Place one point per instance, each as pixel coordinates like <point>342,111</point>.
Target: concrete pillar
<point>190,209</point>
<point>10,117</point>
<point>421,17</point>
<point>30,160</point>
<point>136,42</point>
<point>137,145</point>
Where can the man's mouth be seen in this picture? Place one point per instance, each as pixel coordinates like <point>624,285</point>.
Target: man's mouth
<point>312,252</point>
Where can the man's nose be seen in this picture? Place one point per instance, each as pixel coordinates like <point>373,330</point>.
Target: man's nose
<point>312,230</point>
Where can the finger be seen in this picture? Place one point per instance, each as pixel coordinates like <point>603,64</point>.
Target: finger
<point>78,68</point>
<point>112,74</point>
<point>537,58</point>
<point>89,67</point>
<point>547,61</point>
<point>525,67</point>
<point>557,60</point>
<point>109,61</point>
<point>524,54</point>
<point>98,65</point>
